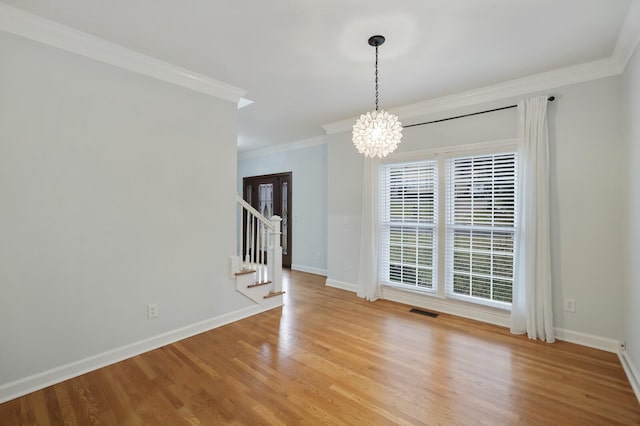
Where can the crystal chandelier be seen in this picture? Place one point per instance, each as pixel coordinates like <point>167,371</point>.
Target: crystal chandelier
<point>377,133</point>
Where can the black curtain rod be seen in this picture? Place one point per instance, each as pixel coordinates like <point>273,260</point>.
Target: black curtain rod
<point>550,99</point>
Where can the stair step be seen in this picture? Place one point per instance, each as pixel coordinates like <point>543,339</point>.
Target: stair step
<point>271,294</point>
<point>258,284</point>
<point>245,272</point>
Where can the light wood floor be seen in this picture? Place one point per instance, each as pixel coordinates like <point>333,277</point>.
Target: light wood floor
<point>328,357</point>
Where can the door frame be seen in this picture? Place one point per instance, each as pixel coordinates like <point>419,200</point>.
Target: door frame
<point>276,179</point>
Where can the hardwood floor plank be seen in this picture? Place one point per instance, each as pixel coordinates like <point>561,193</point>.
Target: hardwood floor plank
<point>328,357</point>
<point>123,400</point>
<point>53,406</point>
<point>38,402</point>
<point>62,397</point>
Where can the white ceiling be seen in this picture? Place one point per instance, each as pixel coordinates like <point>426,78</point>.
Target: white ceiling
<point>307,63</point>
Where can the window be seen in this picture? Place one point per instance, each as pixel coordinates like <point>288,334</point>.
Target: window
<point>479,205</point>
<point>480,227</point>
<point>409,219</point>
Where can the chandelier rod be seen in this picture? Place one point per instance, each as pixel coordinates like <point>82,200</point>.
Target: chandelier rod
<point>376,41</point>
<point>377,77</point>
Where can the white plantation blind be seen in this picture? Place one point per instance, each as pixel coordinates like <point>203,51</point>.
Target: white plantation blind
<point>480,233</point>
<point>408,231</point>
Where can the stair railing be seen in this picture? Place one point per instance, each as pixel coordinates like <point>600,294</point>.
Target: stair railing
<point>260,246</point>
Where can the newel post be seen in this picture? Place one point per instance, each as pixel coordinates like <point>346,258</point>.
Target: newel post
<point>274,259</point>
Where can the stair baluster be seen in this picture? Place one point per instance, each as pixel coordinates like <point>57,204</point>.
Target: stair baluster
<point>261,250</point>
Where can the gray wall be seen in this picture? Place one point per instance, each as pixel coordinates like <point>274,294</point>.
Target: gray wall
<point>587,189</point>
<point>116,191</point>
<point>308,165</point>
<point>631,293</point>
<point>344,210</point>
<point>588,199</point>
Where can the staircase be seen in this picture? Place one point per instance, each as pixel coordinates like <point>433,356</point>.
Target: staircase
<point>258,267</point>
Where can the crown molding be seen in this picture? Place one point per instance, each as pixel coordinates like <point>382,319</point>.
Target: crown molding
<point>626,44</point>
<point>629,35</point>
<point>304,143</point>
<point>21,23</point>
<point>522,86</point>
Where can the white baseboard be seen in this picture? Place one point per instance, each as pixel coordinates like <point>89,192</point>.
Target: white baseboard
<point>448,306</point>
<point>341,285</point>
<point>491,316</point>
<point>589,340</point>
<point>631,371</point>
<point>309,269</point>
<point>39,381</point>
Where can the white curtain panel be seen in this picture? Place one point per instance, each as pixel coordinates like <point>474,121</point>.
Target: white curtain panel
<point>368,280</point>
<point>531,310</point>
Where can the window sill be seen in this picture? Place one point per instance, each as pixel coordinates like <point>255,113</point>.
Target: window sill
<point>413,289</point>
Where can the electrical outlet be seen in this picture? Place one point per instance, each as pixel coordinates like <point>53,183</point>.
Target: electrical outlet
<point>569,305</point>
<point>152,310</point>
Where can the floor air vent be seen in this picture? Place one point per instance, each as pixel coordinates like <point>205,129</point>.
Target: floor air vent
<point>426,313</point>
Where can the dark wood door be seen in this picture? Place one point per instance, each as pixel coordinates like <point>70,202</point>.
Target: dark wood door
<point>271,196</point>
